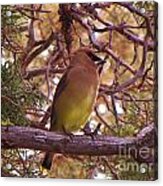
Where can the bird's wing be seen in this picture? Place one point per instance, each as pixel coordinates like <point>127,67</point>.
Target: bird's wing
<point>61,85</point>
<point>60,88</point>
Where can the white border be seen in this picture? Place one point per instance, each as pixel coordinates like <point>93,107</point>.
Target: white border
<point>69,182</point>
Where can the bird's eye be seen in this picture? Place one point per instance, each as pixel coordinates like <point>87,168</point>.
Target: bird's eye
<point>93,56</point>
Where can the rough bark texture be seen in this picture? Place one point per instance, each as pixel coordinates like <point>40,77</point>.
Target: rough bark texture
<point>32,138</point>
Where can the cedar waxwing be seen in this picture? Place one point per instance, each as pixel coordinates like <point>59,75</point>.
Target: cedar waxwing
<point>75,95</point>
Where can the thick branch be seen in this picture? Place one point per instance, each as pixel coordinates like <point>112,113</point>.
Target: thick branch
<point>26,137</point>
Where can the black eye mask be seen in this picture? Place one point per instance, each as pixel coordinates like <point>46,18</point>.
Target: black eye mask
<point>93,56</point>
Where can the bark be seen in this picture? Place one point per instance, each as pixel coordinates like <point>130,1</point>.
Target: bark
<point>32,138</point>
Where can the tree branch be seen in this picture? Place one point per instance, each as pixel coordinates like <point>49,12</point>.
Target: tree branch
<point>32,138</point>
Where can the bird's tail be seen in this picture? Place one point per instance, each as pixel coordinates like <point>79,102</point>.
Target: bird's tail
<point>47,162</point>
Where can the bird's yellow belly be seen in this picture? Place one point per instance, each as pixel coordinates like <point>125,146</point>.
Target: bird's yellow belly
<point>72,113</point>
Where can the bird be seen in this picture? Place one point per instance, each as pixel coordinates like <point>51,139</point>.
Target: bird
<point>75,95</point>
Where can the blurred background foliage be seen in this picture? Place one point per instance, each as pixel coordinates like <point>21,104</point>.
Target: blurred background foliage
<point>25,99</point>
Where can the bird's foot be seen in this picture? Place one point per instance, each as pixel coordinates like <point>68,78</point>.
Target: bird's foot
<point>87,131</point>
<point>69,134</point>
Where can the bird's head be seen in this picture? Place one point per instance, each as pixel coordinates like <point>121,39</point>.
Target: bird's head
<point>87,56</point>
